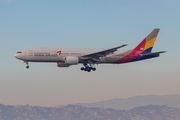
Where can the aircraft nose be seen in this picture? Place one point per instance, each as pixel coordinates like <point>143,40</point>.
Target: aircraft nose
<point>16,56</point>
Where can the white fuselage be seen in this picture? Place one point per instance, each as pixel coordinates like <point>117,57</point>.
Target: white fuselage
<point>51,55</point>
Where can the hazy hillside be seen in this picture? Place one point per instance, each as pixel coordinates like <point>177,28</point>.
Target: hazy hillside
<point>74,112</point>
<point>129,103</point>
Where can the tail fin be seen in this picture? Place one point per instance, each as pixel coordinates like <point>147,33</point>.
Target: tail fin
<point>147,44</point>
<point>144,48</point>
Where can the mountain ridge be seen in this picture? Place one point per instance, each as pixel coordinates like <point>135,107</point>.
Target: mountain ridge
<point>75,112</point>
<point>171,100</point>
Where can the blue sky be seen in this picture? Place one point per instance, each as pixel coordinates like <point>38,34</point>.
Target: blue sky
<point>87,24</point>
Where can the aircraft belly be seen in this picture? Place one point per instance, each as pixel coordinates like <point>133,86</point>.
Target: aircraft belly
<point>46,59</point>
<point>110,59</point>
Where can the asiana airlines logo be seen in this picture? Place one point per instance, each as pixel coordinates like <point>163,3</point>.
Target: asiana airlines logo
<point>55,54</point>
<point>59,52</point>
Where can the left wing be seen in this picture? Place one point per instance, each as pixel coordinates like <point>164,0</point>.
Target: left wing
<point>95,56</point>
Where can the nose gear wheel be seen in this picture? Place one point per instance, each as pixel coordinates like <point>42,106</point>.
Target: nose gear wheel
<point>27,64</point>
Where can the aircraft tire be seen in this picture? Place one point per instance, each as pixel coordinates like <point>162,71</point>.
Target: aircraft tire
<point>82,68</point>
<point>94,69</point>
<point>88,69</point>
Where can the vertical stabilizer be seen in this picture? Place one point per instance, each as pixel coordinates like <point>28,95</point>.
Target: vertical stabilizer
<point>144,47</point>
<point>147,44</point>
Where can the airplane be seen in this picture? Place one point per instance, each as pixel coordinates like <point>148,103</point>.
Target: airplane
<point>65,57</point>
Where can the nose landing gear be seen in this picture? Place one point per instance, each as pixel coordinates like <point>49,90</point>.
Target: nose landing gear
<point>27,64</point>
<point>27,67</point>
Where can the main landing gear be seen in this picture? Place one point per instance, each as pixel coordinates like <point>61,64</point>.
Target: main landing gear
<point>88,68</point>
<point>27,65</point>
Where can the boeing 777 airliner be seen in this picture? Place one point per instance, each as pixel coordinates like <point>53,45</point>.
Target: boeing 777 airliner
<point>65,57</point>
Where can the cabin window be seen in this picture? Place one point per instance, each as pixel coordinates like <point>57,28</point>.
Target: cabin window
<point>19,52</point>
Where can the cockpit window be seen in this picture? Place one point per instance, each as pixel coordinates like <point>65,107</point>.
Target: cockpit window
<point>19,52</point>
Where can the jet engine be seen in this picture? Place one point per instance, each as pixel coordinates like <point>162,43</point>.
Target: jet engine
<point>62,64</point>
<point>71,60</point>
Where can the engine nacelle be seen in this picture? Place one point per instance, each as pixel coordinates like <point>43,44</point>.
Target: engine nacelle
<point>62,64</point>
<point>71,60</point>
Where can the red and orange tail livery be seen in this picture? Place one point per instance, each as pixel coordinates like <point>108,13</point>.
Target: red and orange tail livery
<point>143,50</point>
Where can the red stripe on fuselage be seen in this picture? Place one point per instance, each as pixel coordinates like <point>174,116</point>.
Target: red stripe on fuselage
<point>138,50</point>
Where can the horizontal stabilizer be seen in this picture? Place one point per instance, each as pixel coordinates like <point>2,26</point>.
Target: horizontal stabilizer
<point>149,54</point>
